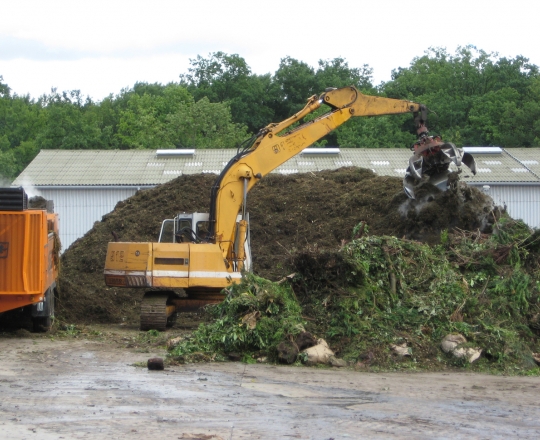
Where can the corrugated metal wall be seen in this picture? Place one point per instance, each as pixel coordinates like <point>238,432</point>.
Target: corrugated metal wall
<point>78,209</point>
<point>522,201</point>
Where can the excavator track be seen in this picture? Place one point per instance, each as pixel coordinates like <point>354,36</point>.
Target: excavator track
<point>156,314</point>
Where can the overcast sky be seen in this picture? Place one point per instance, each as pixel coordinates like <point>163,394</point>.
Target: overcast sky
<point>100,47</point>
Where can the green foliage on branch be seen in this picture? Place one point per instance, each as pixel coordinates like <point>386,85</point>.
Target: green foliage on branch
<point>270,307</point>
<point>379,291</point>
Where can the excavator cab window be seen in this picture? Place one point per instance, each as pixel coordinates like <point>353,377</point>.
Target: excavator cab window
<point>184,224</point>
<point>167,232</point>
<point>183,232</point>
<point>202,230</point>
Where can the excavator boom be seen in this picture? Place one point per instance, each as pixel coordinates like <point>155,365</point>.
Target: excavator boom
<point>274,146</point>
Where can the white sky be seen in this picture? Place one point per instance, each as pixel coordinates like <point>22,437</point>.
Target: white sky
<point>100,47</point>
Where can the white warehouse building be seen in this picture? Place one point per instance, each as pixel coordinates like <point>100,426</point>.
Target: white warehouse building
<point>87,184</point>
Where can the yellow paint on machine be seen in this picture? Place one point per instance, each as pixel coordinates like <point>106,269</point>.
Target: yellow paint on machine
<point>183,265</point>
<point>170,265</point>
<point>207,267</point>
<point>129,256</point>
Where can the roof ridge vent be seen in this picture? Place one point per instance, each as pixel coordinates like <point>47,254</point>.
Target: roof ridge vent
<point>175,152</point>
<point>333,151</point>
<point>483,150</point>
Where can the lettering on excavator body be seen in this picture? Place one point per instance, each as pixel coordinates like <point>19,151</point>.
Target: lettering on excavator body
<point>117,256</point>
<point>297,142</point>
<point>278,147</point>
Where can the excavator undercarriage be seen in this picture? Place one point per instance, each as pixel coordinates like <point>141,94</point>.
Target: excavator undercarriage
<point>160,308</point>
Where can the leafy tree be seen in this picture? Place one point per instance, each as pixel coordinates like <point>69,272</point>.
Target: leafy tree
<point>172,118</point>
<point>8,166</point>
<point>475,97</point>
<point>375,132</point>
<point>337,73</point>
<point>203,124</point>
<point>295,82</point>
<point>4,89</point>
<point>228,79</point>
<point>68,123</point>
<point>140,125</point>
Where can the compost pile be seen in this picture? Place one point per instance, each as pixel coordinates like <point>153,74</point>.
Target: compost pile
<point>287,214</point>
<point>341,255</point>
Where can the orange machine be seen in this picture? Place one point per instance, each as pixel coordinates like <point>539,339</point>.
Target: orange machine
<point>29,251</point>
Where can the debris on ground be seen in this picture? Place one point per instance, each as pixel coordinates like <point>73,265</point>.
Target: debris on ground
<point>450,342</point>
<point>318,354</point>
<point>155,364</point>
<point>336,362</point>
<point>453,344</point>
<point>173,342</point>
<point>401,349</point>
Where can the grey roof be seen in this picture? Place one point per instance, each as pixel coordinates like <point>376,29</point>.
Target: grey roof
<point>528,157</point>
<point>148,168</point>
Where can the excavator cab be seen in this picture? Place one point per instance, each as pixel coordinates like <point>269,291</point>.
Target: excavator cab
<point>194,228</point>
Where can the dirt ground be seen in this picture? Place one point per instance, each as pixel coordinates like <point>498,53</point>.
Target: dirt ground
<point>87,386</point>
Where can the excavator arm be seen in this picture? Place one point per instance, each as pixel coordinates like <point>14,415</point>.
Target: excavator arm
<point>274,145</point>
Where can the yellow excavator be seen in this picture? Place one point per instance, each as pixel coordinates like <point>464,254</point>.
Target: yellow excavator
<point>198,255</point>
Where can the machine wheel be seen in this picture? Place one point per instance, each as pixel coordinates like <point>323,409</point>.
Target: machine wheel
<point>41,324</point>
<point>156,312</point>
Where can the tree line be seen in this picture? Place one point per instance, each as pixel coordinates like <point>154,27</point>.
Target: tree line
<point>474,98</point>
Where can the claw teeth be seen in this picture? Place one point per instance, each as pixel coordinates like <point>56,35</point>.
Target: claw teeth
<point>468,160</point>
<point>408,186</point>
<point>415,167</point>
<point>452,153</point>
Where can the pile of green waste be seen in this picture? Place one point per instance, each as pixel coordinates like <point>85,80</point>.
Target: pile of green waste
<point>254,318</point>
<point>380,292</point>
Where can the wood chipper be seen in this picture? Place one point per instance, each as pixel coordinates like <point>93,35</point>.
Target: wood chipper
<point>29,254</point>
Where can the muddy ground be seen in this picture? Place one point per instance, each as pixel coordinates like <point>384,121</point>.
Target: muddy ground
<point>287,214</point>
<point>87,386</point>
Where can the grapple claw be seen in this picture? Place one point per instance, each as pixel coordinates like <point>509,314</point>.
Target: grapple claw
<point>452,153</point>
<point>430,163</point>
<point>409,185</point>
<point>468,160</point>
<point>415,167</point>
